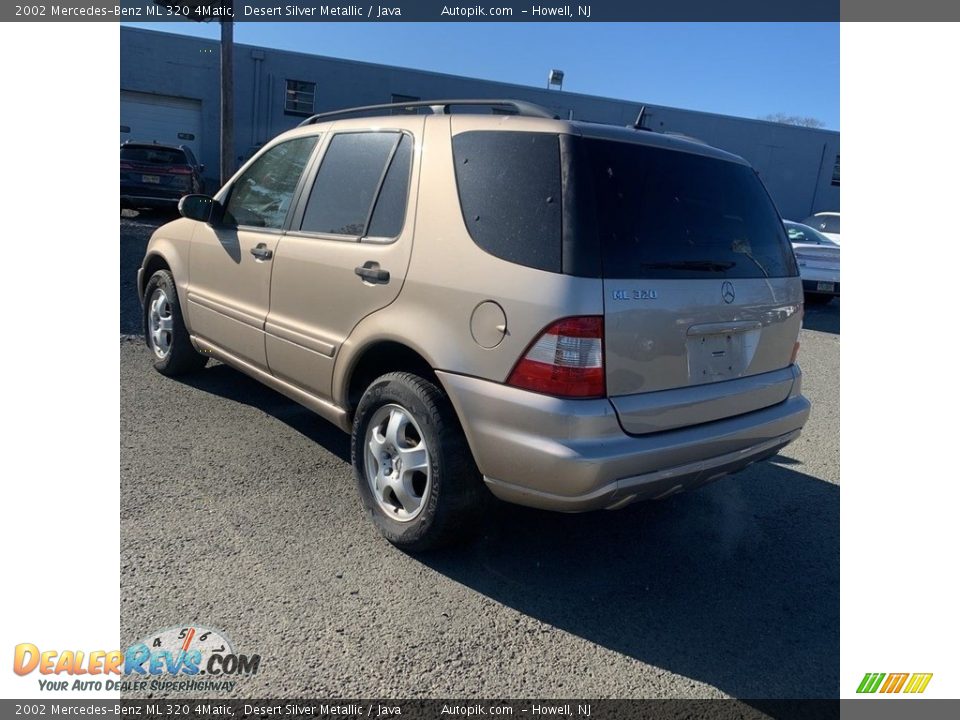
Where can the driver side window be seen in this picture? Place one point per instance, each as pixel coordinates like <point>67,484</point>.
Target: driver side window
<point>262,195</point>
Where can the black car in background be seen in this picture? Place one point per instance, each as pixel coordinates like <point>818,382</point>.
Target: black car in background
<point>156,175</point>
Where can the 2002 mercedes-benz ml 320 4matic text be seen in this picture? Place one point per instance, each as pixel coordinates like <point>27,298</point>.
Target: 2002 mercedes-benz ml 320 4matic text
<point>571,315</point>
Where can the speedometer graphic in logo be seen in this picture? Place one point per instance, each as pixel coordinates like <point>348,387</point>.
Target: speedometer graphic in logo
<point>190,637</point>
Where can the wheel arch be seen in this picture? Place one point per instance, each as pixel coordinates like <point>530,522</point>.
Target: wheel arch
<point>153,262</point>
<point>376,358</point>
<point>167,251</point>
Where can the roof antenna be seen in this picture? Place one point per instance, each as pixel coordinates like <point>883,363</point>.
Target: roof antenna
<point>638,123</point>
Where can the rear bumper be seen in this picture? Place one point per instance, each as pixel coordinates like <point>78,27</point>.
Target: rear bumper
<point>150,194</point>
<point>157,200</point>
<point>572,455</point>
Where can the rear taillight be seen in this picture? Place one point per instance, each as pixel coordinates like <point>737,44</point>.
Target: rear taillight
<point>566,360</point>
<point>126,166</point>
<point>179,170</point>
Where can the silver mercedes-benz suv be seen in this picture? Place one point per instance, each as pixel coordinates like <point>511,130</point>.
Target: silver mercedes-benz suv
<point>566,315</point>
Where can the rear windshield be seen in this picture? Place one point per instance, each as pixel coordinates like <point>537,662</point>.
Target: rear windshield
<point>153,156</point>
<point>668,214</point>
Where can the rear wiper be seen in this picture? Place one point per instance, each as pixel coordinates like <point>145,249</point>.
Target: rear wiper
<point>702,265</point>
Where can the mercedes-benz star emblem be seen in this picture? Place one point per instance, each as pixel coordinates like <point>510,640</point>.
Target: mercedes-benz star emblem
<point>727,292</point>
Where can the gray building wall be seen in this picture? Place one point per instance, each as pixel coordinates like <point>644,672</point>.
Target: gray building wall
<point>795,163</point>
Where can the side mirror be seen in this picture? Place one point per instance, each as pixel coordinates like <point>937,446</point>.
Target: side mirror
<point>201,167</point>
<point>197,207</point>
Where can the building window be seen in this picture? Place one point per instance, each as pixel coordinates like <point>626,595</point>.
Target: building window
<point>299,97</point>
<point>404,99</point>
<point>835,180</point>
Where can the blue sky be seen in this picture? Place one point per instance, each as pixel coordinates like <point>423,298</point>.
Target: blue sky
<point>745,69</point>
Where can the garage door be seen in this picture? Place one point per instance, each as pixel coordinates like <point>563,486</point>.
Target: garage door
<point>145,117</point>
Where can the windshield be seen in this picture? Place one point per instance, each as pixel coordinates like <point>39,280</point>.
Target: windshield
<point>152,155</point>
<point>805,234</point>
<point>669,214</point>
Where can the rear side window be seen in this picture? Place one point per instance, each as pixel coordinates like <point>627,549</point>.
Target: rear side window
<point>153,156</point>
<point>510,194</point>
<point>388,213</point>
<point>669,214</point>
<point>361,186</point>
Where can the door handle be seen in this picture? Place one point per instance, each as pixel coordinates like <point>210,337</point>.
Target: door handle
<point>261,252</point>
<point>370,272</point>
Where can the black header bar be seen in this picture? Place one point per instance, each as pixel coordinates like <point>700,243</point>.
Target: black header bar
<point>547,11</point>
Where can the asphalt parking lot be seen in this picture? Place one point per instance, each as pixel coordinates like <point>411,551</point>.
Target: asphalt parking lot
<point>238,512</point>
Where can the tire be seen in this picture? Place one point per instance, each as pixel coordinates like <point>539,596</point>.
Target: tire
<point>817,298</point>
<point>446,498</point>
<point>164,330</point>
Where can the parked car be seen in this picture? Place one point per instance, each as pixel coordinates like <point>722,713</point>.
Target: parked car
<point>827,223</point>
<point>819,259</point>
<point>155,175</point>
<point>571,316</point>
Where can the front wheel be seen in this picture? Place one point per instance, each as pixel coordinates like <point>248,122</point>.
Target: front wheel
<point>164,329</point>
<point>413,467</point>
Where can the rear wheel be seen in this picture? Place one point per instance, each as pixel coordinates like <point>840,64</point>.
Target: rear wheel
<point>164,329</point>
<point>414,470</point>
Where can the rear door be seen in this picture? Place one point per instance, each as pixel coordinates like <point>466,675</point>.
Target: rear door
<point>348,248</point>
<point>701,295</point>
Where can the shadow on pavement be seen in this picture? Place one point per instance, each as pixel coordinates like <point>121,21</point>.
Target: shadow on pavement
<point>736,585</point>
<point>225,382</point>
<point>822,318</point>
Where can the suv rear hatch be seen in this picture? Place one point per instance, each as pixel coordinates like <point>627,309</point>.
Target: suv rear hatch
<point>702,303</point>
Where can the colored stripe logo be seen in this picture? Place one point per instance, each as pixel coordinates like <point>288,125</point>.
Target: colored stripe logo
<point>894,683</point>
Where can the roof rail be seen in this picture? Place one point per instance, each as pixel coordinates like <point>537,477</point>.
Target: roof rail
<point>438,107</point>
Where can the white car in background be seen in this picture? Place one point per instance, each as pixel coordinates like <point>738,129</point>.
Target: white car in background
<point>827,223</point>
<point>819,259</point>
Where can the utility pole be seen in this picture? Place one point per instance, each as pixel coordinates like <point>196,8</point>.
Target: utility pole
<point>222,10</point>
<point>226,96</point>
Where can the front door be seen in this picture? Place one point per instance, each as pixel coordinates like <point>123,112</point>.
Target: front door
<point>347,250</point>
<point>231,260</point>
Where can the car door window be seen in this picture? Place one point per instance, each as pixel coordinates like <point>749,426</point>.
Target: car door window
<point>261,196</point>
<point>361,187</point>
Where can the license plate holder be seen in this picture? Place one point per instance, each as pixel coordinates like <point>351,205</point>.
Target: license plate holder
<point>715,357</point>
<point>826,287</point>
<point>152,179</point>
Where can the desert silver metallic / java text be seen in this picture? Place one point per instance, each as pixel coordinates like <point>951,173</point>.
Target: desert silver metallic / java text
<point>398,463</point>
<point>161,323</point>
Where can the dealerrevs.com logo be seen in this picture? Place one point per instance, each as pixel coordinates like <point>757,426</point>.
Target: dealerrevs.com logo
<point>910,683</point>
<point>175,659</point>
